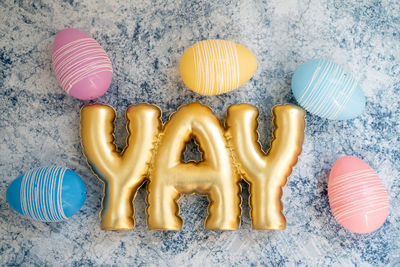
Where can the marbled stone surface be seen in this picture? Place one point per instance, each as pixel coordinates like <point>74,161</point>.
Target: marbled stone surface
<point>39,124</point>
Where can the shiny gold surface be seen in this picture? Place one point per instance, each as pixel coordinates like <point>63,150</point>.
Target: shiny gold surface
<point>122,173</point>
<point>214,176</point>
<point>155,152</point>
<point>266,173</point>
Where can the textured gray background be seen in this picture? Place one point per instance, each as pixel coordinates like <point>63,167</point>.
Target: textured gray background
<point>39,123</point>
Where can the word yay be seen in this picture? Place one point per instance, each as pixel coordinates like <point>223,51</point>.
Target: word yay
<point>154,151</point>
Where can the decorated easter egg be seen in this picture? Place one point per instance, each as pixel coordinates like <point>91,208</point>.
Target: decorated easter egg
<point>47,194</point>
<point>357,196</point>
<point>82,67</point>
<point>323,88</point>
<point>214,67</point>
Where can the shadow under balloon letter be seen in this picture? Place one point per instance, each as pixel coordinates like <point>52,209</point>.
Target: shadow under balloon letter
<point>214,176</point>
<point>122,173</point>
<point>266,173</point>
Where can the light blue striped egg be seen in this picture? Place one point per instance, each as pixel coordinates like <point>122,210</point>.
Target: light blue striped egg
<point>322,87</point>
<point>47,194</point>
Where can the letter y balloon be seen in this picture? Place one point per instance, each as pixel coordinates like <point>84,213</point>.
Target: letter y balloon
<point>154,152</point>
<point>266,173</point>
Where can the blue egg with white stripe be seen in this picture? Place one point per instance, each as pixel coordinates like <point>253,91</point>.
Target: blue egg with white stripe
<point>323,88</point>
<point>47,194</point>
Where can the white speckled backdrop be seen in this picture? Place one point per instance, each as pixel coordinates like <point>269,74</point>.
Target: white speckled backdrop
<point>39,124</point>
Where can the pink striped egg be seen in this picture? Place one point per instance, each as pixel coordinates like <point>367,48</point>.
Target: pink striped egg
<point>358,199</point>
<point>82,67</point>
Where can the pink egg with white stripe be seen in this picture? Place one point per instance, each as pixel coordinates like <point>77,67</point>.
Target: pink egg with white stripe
<point>81,65</point>
<point>358,198</point>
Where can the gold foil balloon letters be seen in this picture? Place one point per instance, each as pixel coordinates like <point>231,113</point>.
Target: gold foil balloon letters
<point>123,173</point>
<point>214,176</point>
<point>266,174</point>
<point>154,152</point>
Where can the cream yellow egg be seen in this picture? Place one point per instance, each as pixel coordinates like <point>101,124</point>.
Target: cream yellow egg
<point>215,67</point>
